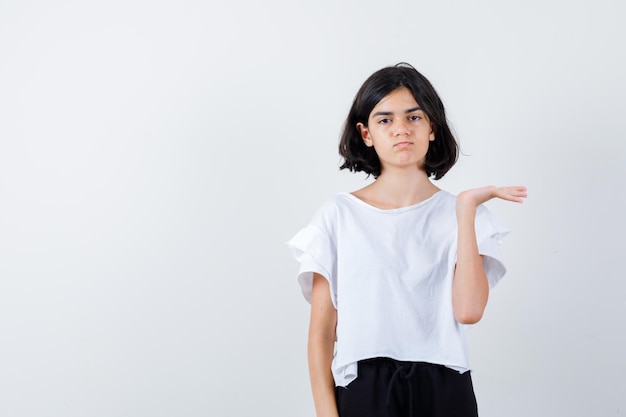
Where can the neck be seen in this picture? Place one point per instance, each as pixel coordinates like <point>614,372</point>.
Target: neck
<point>394,189</point>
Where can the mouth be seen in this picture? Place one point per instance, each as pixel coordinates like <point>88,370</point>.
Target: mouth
<point>403,144</point>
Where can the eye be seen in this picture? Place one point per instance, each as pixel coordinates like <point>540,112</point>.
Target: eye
<point>415,117</point>
<point>384,121</point>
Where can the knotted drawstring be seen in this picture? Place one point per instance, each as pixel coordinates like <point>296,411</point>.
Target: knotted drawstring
<point>401,374</point>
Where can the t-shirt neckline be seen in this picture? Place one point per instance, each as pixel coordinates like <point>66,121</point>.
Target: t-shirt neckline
<point>357,200</point>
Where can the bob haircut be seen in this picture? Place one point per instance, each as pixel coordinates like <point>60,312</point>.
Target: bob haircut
<point>442,153</point>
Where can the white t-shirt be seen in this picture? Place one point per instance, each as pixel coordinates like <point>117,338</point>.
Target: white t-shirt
<point>390,275</point>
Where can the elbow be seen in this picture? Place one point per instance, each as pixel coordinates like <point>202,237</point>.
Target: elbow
<point>469,301</point>
<point>469,316</point>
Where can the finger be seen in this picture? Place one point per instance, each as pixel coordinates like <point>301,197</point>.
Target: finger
<point>512,193</point>
<point>516,190</point>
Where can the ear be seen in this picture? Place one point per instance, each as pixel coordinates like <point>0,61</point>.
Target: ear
<point>432,134</point>
<point>365,134</point>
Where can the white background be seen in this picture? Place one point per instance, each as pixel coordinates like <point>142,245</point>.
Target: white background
<point>156,155</point>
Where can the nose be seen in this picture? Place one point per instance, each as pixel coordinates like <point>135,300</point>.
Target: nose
<point>401,128</point>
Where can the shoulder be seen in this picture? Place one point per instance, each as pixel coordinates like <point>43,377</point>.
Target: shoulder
<point>332,204</point>
<point>444,200</point>
<point>445,196</point>
<point>329,211</point>
<point>486,220</point>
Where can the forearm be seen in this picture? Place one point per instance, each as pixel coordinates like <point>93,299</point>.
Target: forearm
<point>322,335</point>
<point>470,289</point>
<point>320,352</point>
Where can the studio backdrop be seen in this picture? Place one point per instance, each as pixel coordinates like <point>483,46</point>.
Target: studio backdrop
<point>155,156</point>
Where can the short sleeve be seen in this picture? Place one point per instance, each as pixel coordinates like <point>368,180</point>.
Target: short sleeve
<point>315,251</point>
<point>489,235</point>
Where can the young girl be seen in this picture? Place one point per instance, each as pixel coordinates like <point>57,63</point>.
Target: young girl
<point>394,270</point>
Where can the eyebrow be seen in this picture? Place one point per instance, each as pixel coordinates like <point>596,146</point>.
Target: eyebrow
<point>389,113</point>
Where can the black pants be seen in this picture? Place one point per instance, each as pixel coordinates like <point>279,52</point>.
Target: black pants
<point>390,388</point>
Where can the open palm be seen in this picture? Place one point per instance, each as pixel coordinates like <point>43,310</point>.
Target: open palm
<point>476,196</point>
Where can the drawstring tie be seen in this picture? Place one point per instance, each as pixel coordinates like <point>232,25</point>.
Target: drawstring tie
<point>403,372</point>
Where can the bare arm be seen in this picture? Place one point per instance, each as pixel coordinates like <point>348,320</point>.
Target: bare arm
<point>320,348</point>
<point>470,288</point>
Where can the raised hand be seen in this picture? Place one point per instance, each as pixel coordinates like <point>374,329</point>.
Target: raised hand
<point>470,288</point>
<point>476,196</point>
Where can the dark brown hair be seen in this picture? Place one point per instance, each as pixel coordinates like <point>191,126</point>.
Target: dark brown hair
<point>442,153</point>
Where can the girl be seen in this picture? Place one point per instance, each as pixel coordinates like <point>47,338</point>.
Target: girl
<point>394,270</point>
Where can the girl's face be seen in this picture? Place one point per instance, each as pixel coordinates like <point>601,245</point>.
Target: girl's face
<point>399,131</point>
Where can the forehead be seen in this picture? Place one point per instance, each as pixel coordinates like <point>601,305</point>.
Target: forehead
<point>399,100</point>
